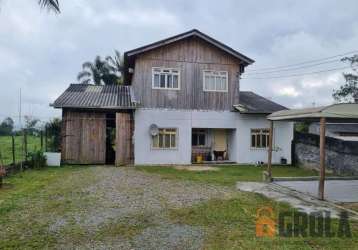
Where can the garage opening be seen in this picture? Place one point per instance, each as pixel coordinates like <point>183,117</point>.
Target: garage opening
<point>110,138</point>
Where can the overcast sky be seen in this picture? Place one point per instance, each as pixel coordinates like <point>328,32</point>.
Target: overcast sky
<point>41,52</point>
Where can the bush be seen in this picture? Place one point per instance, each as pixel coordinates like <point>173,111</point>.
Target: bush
<point>37,159</point>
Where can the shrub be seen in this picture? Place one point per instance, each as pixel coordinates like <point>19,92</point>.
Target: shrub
<point>37,159</point>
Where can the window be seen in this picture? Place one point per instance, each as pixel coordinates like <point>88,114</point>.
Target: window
<point>215,80</point>
<point>166,138</point>
<point>198,137</point>
<point>260,138</point>
<point>165,78</point>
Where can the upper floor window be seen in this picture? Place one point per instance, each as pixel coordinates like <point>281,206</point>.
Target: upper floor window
<point>215,81</point>
<point>165,78</point>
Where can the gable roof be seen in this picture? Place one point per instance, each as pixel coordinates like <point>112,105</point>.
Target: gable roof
<point>89,96</point>
<point>190,33</point>
<point>251,103</point>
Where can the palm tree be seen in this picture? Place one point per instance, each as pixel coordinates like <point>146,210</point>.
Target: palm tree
<point>92,72</point>
<point>52,5</point>
<point>116,65</point>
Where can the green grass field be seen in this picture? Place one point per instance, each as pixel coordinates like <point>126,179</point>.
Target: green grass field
<point>33,143</point>
<point>226,175</point>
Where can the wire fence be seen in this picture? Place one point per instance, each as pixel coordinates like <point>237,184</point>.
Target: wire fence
<point>17,147</point>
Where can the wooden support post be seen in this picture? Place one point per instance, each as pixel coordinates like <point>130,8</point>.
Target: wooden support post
<point>13,149</point>
<point>42,140</point>
<point>322,154</point>
<point>25,144</point>
<point>269,160</point>
<point>46,139</point>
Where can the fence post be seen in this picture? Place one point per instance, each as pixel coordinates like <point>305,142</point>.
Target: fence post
<point>13,149</point>
<point>46,139</point>
<point>42,140</point>
<point>25,144</point>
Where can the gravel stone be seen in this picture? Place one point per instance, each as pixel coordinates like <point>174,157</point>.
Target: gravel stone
<point>130,196</point>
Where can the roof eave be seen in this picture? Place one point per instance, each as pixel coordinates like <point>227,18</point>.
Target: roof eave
<point>94,108</point>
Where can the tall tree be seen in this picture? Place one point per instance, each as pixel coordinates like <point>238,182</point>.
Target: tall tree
<point>99,72</point>
<point>92,72</point>
<point>116,65</point>
<point>52,5</point>
<point>30,124</point>
<point>349,91</point>
<point>7,126</point>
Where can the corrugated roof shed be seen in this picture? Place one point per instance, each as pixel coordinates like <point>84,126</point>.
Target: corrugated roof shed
<point>251,103</point>
<point>96,97</point>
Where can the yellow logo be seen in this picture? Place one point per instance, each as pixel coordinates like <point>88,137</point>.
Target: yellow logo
<point>265,223</point>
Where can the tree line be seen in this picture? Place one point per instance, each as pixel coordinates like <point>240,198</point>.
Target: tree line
<point>32,126</point>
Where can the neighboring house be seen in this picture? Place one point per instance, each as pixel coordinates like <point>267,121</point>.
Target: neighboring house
<point>343,131</point>
<point>182,103</point>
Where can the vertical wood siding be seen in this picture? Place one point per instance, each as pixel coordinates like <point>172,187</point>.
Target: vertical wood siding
<point>124,131</point>
<point>191,56</point>
<point>83,137</point>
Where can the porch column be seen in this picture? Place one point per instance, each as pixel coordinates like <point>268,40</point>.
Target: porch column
<point>269,160</point>
<point>322,154</point>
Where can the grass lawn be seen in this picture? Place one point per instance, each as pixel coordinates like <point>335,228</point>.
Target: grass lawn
<point>33,143</point>
<point>227,175</point>
<point>32,202</point>
<point>48,207</point>
<point>230,224</point>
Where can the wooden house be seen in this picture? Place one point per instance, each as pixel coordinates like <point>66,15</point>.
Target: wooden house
<point>181,104</point>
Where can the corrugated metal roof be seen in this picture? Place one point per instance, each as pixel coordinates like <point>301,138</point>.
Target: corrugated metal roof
<point>96,97</point>
<point>335,111</point>
<point>251,103</point>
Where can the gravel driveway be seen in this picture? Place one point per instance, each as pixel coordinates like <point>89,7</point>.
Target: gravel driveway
<point>138,201</point>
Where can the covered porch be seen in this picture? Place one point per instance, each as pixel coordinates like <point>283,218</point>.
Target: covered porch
<point>337,113</point>
<point>212,145</point>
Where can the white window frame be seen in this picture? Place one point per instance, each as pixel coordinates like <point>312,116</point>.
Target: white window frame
<point>261,132</point>
<point>214,73</point>
<point>162,69</point>
<point>166,148</point>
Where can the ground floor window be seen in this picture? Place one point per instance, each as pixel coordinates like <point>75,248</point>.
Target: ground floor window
<point>260,138</point>
<point>166,138</point>
<point>198,137</point>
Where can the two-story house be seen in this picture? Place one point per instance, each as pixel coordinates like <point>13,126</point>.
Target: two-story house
<point>181,104</point>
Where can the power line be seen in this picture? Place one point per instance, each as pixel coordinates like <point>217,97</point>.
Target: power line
<point>300,74</point>
<point>293,68</point>
<point>305,62</point>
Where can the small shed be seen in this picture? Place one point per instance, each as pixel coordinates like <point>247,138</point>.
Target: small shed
<point>97,124</point>
<point>337,113</point>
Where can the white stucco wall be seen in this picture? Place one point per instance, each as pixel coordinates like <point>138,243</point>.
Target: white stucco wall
<point>283,135</point>
<point>184,120</point>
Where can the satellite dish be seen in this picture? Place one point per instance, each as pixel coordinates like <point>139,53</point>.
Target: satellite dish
<point>153,130</point>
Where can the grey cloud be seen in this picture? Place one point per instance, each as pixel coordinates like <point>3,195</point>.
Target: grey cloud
<point>41,53</point>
